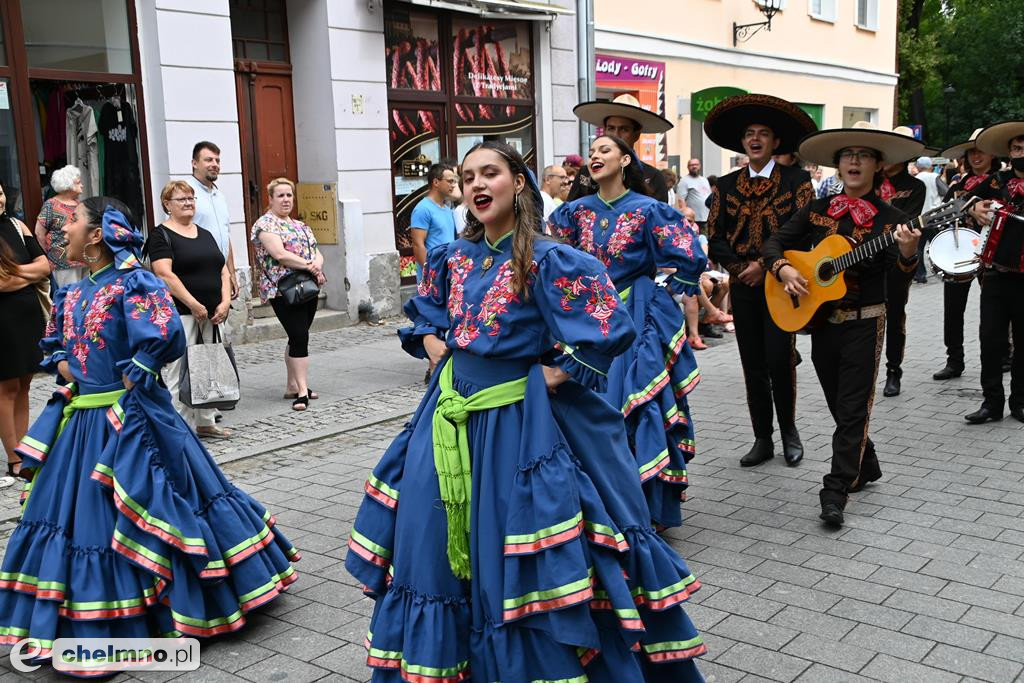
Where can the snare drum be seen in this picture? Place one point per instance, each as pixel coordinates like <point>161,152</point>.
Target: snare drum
<point>954,254</point>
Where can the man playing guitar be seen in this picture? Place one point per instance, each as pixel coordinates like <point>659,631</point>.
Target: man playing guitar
<point>846,349</point>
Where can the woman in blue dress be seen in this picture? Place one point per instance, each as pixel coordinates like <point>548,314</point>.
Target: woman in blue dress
<point>504,535</point>
<point>635,236</point>
<point>129,529</point>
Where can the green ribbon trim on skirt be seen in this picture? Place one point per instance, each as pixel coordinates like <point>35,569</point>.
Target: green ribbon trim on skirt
<point>452,460</point>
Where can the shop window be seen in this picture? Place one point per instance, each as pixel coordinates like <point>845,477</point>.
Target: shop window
<point>852,115</point>
<point>77,35</point>
<point>492,59</point>
<point>413,51</point>
<point>259,30</point>
<point>10,177</point>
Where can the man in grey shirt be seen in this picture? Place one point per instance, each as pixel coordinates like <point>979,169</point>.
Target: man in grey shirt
<point>695,190</point>
<point>211,204</point>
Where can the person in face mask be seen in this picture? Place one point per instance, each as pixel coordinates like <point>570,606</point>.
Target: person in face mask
<point>1002,282</point>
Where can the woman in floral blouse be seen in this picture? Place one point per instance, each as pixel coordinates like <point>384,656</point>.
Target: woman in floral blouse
<point>284,245</point>
<point>55,212</point>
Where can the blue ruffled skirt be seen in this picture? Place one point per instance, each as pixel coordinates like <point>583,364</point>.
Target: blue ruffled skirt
<point>650,383</point>
<point>130,530</point>
<point>570,581</point>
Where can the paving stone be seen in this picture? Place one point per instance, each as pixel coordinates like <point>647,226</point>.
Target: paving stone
<point>974,664</point>
<point>808,598</point>
<point>704,617</point>
<point>897,578</point>
<point>1006,647</point>
<point>349,661</point>
<point>841,565</point>
<point>303,643</point>
<point>745,605</point>
<point>870,613</point>
<point>807,621</point>
<point>716,673</point>
<point>232,655</point>
<point>983,597</point>
<point>889,642</point>
<point>773,665</point>
<point>282,668</point>
<point>950,633</point>
<point>874,540</point>
<point>892,670</point>
<point>717,539</point>
<point>725,558</point>
<point>989,620</point>
<point>827,652</point>
<point>854,588</point>
<point>743,582</point>
<point>754,632</point>
<point>779,571</point>
<point>780,553</point>
<point>819,673</point>
<point>956,572</point>
<point>926,604</point>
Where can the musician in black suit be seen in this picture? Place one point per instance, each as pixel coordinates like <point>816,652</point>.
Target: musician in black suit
<point>747,206</point>
<point>846,347</point>
<point>1002,282</point>
<point>906,193</point>
<point>622,117</point>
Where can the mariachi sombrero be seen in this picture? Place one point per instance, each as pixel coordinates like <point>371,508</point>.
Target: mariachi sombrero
<point>907,131</point>
<point>996,138</point>
<point>727,121</point>
<point>626,106</point>
<point>961,148</point>
<point>821,147</point>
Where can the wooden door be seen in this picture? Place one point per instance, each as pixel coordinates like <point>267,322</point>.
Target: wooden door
<point>266,120</point>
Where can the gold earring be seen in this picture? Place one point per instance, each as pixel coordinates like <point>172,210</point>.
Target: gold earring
<point>86,257</point>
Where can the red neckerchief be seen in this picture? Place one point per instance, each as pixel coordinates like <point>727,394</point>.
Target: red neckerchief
<point>886,191</point>
<point>861,210</point>
<point>973,181</point>
<point>1015,187</point>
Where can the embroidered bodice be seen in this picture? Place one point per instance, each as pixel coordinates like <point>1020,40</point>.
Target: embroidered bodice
<point>111,323</point>
<point>466,296</point>
<point>632,236</point>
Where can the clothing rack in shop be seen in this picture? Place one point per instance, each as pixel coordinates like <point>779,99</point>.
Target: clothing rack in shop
<point>81,90</point>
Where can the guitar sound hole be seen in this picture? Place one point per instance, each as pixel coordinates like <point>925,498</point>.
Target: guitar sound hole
<point>826,271</point>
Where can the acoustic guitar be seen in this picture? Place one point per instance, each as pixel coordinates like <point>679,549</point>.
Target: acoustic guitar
<point>823,268</point>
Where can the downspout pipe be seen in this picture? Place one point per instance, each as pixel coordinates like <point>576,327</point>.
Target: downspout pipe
<point>585,60</point>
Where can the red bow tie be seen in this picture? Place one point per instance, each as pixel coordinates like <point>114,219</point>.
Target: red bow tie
<point>1016,187</point>
<point>861,210</point>
<point>886,191</point>
<point>973,181</point>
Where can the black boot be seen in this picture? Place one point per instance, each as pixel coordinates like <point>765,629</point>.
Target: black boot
<point>708,330</point>
<point>892,383</point>
<point>984,414</point>
<point>951,370</point>
<point>831,514</point>
<point>762,450</point>
<point>792,448</point>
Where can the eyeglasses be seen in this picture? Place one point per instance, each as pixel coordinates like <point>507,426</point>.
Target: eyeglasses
<point>184,200</point>
<point>862,155</point>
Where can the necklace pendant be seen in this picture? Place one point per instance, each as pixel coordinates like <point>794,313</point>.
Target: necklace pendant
<point>603,223</point>
<point>488,262</point>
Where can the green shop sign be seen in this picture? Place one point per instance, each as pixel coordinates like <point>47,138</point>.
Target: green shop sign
<point>703,101</point>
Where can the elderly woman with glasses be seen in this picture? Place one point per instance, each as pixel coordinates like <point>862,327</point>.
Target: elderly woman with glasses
<point>187,258</point>
<point>55,212</point>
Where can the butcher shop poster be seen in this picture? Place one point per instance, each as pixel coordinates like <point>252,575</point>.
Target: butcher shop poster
<point>644,80</point>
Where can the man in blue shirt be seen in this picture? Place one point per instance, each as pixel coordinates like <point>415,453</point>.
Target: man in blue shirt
<point>433,222</point>
<point>211,204</point>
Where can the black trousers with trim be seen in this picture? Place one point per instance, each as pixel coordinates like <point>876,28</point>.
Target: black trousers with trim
<point>768,357</point>
<point>897,289</point>
<point>954,305</point>
<point>1002,309</point>
<point>846,358</point>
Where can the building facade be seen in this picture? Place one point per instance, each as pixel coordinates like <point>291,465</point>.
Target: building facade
<point>351,98</point>
<point>836,58</point>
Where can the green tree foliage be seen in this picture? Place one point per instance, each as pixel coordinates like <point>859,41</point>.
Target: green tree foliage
<point>975,46</point>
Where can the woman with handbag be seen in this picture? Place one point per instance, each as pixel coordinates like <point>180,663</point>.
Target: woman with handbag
<point>129,529</point>
<point>23,269</point>
<point>291,274</point>
<point>55,212</point>
<point>186,257</point>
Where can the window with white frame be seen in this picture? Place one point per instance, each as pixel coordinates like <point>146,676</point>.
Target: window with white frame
<point>867,14</point>
<point>823,10</point>
<point>852,115</point>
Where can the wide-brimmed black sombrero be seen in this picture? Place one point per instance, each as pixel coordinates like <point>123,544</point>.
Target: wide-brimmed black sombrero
<point>626,106</point>
<point>995,139</point>
<point>729,119</point>
<point>821,147</point>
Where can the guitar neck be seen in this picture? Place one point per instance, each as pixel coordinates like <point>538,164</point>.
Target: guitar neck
<point>873,247</point>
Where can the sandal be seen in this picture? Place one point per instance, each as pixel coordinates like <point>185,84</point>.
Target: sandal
<point>300,403</point>
<point>697,344</point>
<point>309,392</point>
<point>213,432</point>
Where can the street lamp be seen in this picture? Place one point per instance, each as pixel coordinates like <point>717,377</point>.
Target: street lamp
<point>947,94</point>
<point>741,33</point>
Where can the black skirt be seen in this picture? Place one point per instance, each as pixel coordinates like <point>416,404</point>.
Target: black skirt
<point>22,325</point>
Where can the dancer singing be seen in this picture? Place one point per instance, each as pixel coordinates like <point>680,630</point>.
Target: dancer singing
<point>129,529</point>
<point>504,535</point>
<point>634,236</point>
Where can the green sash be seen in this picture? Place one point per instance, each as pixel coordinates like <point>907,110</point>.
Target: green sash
<point>87,401</point>
<point>451,456</point>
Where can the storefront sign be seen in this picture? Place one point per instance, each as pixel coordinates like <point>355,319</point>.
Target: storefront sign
<point>644,80</point>
<point>703,101</point>
<point>318,208</point>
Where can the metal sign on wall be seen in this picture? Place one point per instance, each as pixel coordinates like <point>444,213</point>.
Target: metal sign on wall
<point>318,208</point>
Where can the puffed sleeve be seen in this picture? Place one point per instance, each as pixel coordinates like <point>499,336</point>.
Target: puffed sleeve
<point>584,314</point>
<point>676,244</point>
<point>563,225</point>
<point>52,342</point>
<point>155,335</point>
<point>428,310</point>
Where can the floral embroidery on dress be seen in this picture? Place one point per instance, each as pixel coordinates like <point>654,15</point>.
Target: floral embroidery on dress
<point>601,301</point>
<point>158,304</point>
<point>680,237</point>
<point>562,232</point>
<point>466,331</point>
<point>626,227</point>
<point>459,268</point>
<point>427,286</point>
<point>585,220</point>
<point>498,297</point>
<point>70,303</point>
<point>96,318</point>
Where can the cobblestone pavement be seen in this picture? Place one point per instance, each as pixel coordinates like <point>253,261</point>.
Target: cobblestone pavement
<point>925,583</point>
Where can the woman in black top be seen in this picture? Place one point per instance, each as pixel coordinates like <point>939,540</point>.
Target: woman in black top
<point>22,264</point>
<point>187,258</point>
